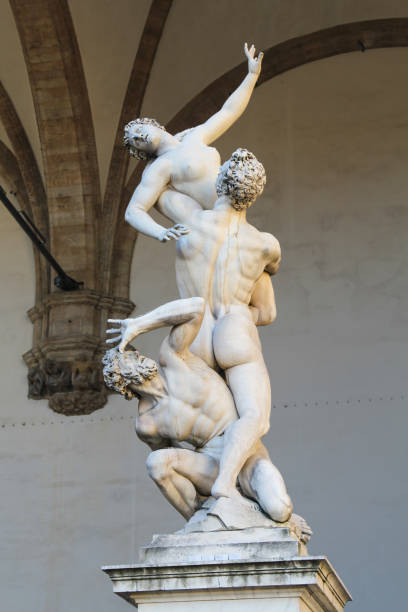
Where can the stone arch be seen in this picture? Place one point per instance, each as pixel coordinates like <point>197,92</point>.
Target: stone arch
<point>66,133</point>
<point>114,277</point>
<point>10,169</point>
<point>22,170</point>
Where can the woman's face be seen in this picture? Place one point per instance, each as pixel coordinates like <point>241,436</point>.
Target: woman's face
<point>145,138</point>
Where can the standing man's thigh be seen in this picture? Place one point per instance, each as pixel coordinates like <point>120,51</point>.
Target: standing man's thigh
<point>238,352</point>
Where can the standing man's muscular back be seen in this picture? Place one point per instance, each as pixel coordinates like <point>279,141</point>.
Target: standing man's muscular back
<point>242,259</point>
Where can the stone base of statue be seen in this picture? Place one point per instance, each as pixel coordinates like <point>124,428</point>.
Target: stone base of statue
<point>262,568</point>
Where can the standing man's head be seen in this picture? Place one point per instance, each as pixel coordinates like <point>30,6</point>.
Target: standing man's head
<point>142,137</point>
<point>242,178</point>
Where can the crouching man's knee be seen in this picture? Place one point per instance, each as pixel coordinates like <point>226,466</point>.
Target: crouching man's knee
<point>264,428</point>
<point>159,464</point>
<point>260,426</point>
<point>280,508</point>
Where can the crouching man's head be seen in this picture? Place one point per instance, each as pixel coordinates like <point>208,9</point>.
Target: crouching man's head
<point>131,374</point>
<point>242,178</point>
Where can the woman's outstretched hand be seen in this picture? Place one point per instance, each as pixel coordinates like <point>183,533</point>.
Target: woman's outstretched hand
<point>254,63</point>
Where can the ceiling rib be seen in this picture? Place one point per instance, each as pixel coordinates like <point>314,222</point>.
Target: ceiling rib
<point>66,132</point>
<point>26,160</point>
<point>10,169</point>
<point>115,277</point>
<point>22,169</point>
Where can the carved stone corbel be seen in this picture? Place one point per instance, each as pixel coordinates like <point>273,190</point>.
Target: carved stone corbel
<point>64,364</point>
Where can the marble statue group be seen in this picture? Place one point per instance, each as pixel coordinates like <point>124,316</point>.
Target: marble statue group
<point>205,406</point>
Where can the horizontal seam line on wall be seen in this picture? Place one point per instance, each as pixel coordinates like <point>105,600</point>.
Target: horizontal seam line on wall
<point>276,406</point>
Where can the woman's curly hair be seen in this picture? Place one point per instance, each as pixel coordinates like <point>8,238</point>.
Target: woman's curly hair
<point>134,152</point>
<point>122,369</point>
<point>242,178</point>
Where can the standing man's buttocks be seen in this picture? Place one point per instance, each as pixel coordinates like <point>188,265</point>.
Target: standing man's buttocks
<point>236,339</point>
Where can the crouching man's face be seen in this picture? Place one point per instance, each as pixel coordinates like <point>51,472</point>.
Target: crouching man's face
<point>147,381</point>
<point>130,374</point>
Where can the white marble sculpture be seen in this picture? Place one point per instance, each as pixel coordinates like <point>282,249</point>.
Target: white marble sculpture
<point>212,388</point>
<point>184,163</point>
<point>184,400</point>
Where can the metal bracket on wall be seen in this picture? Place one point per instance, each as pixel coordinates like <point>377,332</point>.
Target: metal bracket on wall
<point>62,281</point>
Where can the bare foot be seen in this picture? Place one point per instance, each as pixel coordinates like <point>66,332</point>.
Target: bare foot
<point>234,496</point>
<point>224,490</point>
<point>301,528</point>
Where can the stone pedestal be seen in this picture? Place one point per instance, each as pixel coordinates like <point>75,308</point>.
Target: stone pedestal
<point>258,569</point>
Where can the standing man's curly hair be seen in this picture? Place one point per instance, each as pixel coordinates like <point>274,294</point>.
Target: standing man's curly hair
<point>242,178</point>
<point>134,152</point>
<point>122,369</point>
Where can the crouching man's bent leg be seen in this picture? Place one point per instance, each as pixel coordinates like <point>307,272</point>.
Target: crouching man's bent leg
<point>183,476</point>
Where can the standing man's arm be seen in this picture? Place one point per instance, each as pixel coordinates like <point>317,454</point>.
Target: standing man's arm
<point>262,304</point>
<point>275,256</point>
<point>177,206</point>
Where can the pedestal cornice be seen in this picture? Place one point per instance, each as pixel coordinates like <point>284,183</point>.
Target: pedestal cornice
<point>312,580</point>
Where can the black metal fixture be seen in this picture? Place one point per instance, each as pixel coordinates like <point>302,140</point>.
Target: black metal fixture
<point>362,45</point>
<point>62,281</point>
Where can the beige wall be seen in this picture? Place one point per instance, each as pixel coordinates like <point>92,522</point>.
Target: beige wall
<point>200,45</point>
<point>333,137</point>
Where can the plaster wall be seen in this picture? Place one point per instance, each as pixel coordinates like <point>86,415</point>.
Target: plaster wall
<point>214,38</point>
<point>333,137</point>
